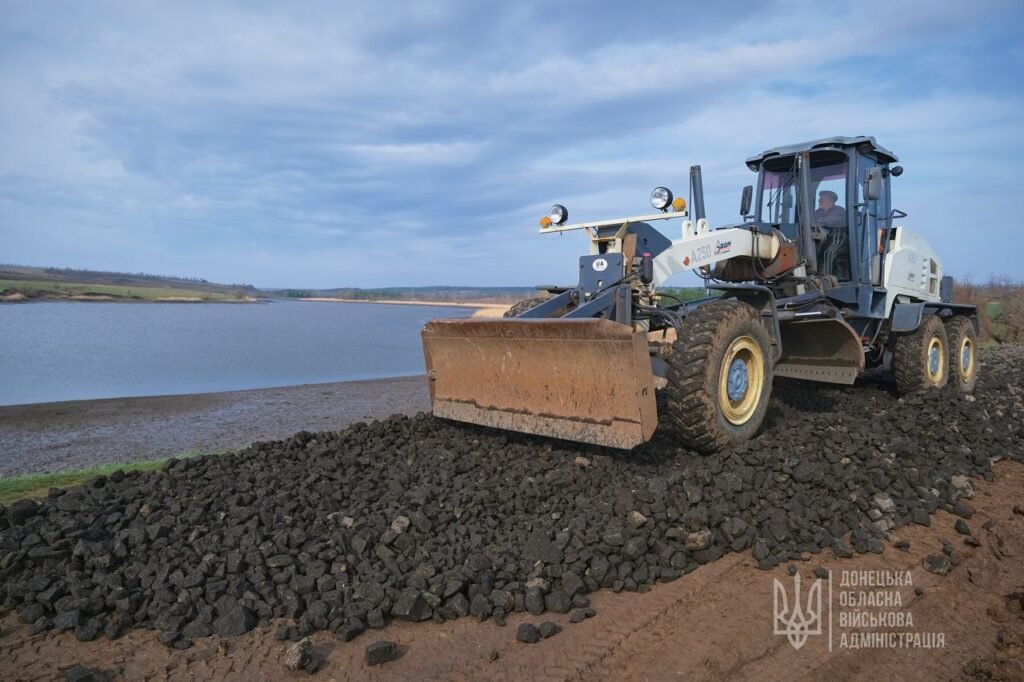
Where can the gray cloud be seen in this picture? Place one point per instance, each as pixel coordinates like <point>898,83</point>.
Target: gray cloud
<point>310,146</point>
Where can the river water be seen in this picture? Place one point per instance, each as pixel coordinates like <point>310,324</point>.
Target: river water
<point>72,350</point>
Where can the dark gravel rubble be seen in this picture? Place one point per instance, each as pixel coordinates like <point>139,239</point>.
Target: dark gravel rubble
<point>417,519</point>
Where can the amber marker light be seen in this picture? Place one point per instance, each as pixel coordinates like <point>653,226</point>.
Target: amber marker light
<point>679,205</point>
<point>545,221</point>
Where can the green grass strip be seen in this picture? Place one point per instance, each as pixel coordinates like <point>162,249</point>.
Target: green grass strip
<point>37,485</point>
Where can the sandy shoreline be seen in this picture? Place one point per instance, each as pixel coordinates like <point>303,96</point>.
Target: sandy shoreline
<point>77,434</point>
<point>487,310</point>
<point>400,302</point>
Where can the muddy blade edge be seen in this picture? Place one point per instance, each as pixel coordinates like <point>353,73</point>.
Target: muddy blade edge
<point>586,380</point>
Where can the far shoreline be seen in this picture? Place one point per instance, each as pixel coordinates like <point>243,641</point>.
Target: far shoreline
<point>482,309</point>
<point>19,298</point>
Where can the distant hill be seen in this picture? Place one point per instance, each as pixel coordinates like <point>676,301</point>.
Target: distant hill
<point>20,282</point>
<point>136,279</point>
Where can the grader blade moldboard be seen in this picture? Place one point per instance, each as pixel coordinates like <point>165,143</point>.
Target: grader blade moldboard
<point>584,380</point>
<point>826,350</point>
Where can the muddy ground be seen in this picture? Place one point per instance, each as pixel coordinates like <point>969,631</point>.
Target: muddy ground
<point>85,433</point>
<point>716,623</point>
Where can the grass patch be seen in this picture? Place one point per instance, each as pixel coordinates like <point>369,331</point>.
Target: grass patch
<point>45,289</point>
<point>37,485</point>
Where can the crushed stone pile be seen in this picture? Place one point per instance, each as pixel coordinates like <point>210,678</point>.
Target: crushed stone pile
<point>418,519</point>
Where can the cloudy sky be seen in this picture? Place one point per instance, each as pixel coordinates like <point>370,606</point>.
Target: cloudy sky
<point>417,143</point>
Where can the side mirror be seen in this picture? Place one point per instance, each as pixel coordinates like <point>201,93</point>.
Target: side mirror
<point>873,184</point>
<point>748,196</point>
<point>896,171</point>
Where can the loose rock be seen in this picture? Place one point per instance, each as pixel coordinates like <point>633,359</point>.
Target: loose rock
<point>636,519</point>
<point>938,564</point>
<point>299,655</point>
<point>411,605</point>
<point>236,621</point>
<point>21,511</point>
<point>961,486</point>
<point>528,632</point>
<point>396,519</point>
<point>381,652</point>
<point>558,601</point>
<point>547,629</point>
<point>81,673</point>
<point>698,540</point>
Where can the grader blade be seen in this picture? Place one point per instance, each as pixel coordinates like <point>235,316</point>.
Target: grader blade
<point>587,380</point>
<point>826,350</point>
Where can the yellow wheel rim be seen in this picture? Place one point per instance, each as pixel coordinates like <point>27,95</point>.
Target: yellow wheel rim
<point>740,380</point>
<point>935,360</point>
<point>966,358</point>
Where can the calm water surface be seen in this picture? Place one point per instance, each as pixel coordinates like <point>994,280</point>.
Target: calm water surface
<point>70,351</point>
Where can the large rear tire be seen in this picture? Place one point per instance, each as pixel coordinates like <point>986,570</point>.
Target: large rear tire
<point>921,358</point>
<point>719,376</point>
<point>963,353</point>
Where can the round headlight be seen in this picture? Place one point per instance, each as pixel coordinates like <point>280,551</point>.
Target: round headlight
<point>661,198</point>
<point>559,214</point>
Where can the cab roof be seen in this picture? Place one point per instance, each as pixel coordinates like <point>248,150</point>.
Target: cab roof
<point>883,154</point>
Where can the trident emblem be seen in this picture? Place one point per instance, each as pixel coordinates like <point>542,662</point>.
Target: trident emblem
<point>803,619</point>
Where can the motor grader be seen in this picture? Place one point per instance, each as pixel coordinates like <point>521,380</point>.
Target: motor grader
<point>813,290</point>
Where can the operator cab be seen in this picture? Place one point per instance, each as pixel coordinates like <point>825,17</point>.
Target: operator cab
<point>819,187</point>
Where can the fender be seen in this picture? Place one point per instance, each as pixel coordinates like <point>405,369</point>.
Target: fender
<point>906,317</point>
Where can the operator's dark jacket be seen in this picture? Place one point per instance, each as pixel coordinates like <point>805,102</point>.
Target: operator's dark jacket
<point>834,216</point>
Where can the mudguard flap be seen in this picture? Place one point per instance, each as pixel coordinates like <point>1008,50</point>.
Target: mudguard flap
<point>586,380</point>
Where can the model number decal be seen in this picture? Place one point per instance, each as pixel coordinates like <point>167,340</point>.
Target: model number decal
<point>701,253</point>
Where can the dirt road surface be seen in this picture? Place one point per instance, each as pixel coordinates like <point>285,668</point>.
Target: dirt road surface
<point>712,624</point>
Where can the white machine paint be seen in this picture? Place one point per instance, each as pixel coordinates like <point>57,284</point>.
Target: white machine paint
<point>911,269</point>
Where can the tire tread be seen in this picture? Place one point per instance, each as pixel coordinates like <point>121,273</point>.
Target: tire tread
<point>691,393</point>
<point>910,357</point>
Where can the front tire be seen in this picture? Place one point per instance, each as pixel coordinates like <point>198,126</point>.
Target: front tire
<point>720,376</point>
<point>921,358</point>
<point>963,353</point>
